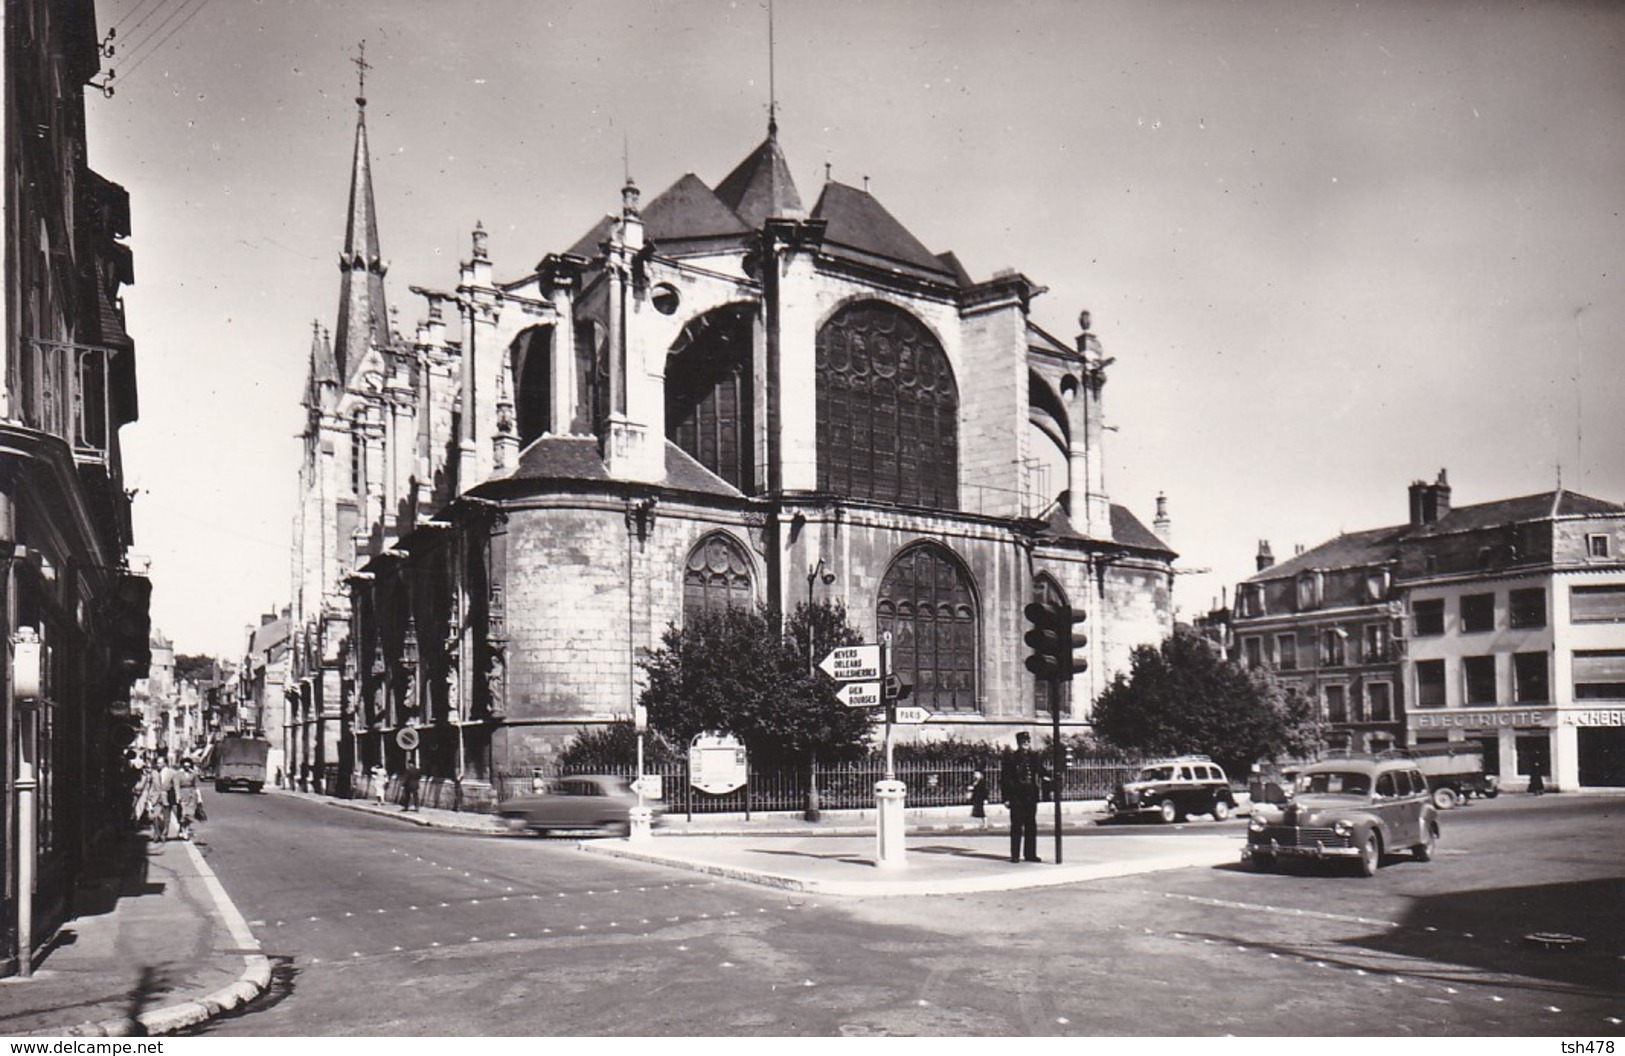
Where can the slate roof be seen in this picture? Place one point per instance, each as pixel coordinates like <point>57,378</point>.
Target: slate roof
<point>760,186</point>
<point>576,458</point>
<point>1126,529</point>
<point>856,221</point>
<point>857,226</point>
<point>1377,545</point>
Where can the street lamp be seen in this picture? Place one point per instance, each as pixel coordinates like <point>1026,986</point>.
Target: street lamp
<point>814,573</point>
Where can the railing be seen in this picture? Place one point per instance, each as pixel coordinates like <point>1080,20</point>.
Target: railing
<point>840,786</point>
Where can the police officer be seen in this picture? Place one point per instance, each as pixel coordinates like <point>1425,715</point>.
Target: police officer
<point>1021,782</point>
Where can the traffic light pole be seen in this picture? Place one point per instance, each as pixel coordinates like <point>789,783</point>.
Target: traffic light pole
<point>889,792</point>
<point>1058,757</point>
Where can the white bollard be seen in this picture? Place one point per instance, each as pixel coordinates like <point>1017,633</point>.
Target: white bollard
<point>889,849</point>
<point>640,824</point>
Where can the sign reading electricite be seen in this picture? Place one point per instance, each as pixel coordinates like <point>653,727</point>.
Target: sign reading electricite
<point>1473,720</point>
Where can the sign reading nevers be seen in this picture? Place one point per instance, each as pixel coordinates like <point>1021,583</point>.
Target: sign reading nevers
<point>853,663</point>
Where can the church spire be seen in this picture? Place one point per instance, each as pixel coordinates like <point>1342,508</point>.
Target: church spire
<point>363,311</point>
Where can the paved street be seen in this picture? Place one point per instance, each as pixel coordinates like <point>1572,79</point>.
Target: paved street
<point>383,928</point>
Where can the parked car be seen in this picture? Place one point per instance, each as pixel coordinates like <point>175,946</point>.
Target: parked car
<point>1355,809</point>
<point>1454,772</point>
<point>1173,788</point>
<point>584,802</point>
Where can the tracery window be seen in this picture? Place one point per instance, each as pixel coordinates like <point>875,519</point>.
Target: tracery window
<point>927,605</point>
<point>710,412</point>
<point>717,576</point>
<point>888,409</point>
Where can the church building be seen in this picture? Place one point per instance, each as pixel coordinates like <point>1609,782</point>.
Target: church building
<point>720,395</point>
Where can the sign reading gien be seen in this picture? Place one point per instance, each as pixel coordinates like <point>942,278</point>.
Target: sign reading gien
<point>859,694</point>
<point>852,663</point>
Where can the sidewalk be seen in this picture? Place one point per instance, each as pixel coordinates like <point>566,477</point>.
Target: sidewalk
<point>153,949</point>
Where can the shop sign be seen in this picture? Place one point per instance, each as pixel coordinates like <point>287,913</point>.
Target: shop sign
<point>1474,720</point>
<point>1594,717</point>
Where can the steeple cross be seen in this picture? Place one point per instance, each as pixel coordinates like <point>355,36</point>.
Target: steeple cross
<point>361,68</point>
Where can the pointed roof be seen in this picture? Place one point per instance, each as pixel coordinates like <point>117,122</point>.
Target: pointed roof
<point>760,186</point>
<point>858,222</point>
<point>324,374</point>
<point>689,209</point>
<point>363,311</point>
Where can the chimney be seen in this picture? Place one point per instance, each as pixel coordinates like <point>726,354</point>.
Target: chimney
<point>1265,558</point>
<point>267,617</point>
<point>1163,527</point>
<point>1429,502</point>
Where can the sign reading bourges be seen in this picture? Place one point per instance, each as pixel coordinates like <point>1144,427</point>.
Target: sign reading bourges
<point>1523,718</point>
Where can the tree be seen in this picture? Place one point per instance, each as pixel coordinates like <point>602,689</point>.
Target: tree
<point>613,748</point>
<point>1181,697</point>
<point>735,671</point>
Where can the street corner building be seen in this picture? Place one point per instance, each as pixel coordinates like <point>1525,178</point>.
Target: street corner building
<point>1500,625</point>
<point>719,395</point>
<point>73,614</point>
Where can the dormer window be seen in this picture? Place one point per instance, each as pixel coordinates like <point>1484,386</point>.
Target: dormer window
<point>1308,591</point>
<point>1376,584</point>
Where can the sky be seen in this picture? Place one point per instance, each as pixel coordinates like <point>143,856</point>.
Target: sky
<point>1333,247</point>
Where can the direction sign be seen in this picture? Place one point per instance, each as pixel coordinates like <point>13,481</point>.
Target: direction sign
<point>913,716</point>
<point>852,663</point>
<point>859,694</point>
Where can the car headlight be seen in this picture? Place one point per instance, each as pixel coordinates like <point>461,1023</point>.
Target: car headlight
<point>1255,824</point>
<point>1341,828</point>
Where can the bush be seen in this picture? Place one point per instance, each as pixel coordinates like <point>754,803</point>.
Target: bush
<point>614,749</point>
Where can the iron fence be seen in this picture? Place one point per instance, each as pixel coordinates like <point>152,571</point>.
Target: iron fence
<point>841,786</point>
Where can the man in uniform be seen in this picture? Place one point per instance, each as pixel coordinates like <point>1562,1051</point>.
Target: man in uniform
<point>1021,781</point>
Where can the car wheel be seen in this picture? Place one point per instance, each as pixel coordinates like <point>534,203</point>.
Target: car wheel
<point>1168,812</point>
<point>1370,855</point>
<point>1263,863</point>
<point>1221,810</point>
<point>623,827</point>
<point>220,786</point>
<point>1424,851</point>
<point>1445,798</point>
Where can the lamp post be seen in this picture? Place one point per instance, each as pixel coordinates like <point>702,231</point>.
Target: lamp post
<point>814,572</point>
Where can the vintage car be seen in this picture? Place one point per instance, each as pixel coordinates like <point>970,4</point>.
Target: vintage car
<point>1170,789</point>
<point>1356,808</point>
<point>582,802</point>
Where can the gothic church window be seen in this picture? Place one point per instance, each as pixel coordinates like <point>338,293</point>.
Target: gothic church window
<point>717,576</point>
<point>927,605</point>
<point>888,409</point>
<point>710,405</point>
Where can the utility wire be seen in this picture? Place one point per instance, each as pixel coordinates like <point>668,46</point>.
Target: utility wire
<point>135,11</point>
<point>159,46</point>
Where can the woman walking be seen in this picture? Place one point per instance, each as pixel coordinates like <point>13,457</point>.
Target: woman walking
<point>187,796</point>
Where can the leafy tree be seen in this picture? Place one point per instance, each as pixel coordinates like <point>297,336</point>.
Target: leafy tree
<point>1181,697</point>
<point>613,749</point>
<point>195,668</point>
<point>734,671</point>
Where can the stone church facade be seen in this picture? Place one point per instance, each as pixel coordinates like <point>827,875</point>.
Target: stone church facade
<point>718,396</point>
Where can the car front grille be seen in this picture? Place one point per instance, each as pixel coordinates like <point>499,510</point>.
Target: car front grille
<point>1290,836</point>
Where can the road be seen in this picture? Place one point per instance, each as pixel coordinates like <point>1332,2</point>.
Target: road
<point>379,928</point>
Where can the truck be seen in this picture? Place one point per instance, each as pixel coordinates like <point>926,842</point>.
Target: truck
<point>1454,772</point>
<point>240,762</point>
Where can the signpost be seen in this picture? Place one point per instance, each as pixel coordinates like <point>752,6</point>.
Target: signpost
<point>867,682</point>
<point>859,694</point>
<point>852,663</point>
<point>913,716</point>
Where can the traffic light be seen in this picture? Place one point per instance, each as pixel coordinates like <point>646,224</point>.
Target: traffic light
<point>132,626</point>
<point>1055,638</point>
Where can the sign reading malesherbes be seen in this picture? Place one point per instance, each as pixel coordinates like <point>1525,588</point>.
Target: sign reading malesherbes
<point>716,763</point>
<point>852,663</point>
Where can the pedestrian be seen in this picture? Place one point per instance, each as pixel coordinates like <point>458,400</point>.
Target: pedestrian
<point>1537,778</point>
<point>188,797</point>
<point>146,797</point>
<point>305,783</point>
<point>163,811</point>
<point>1021,781</point>
<point>409,787</point>
<point>978,797</point>
<point>380,783</point>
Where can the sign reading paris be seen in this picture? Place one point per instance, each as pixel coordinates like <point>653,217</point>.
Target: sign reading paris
<point>852,663</point>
